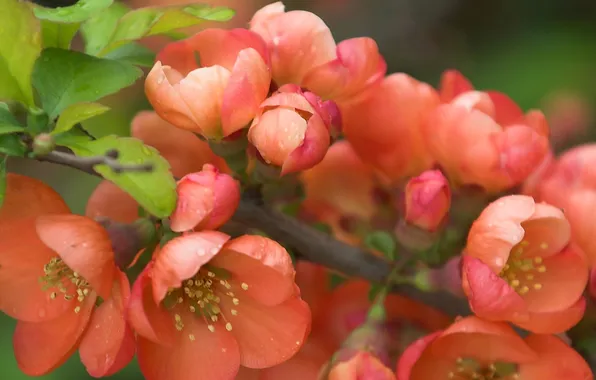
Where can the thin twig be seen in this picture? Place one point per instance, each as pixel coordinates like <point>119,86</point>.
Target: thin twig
<point>87,164</point>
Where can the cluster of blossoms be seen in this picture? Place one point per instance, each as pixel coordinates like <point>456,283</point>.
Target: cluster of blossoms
<point>282,101</point>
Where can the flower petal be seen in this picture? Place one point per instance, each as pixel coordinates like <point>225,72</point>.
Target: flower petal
<point>507,112</point>
<point>261,263</point>
<point>453,83</point>
<point>22,260</point>
<point>312,150</point>
<point>362,366</point>
<point>27,197</point>
<point>209,356</point>
<point>269,335</point>
<point>41,347</point>
<point>411,355</point>
<point>547,231</point>
<point>108,345</point>
<point>83,245</point>
<point>195,203</point>
<point>490,296</point>
<point>181,258</point>
<point>557,361</point>
<point>108,200</point>
<point>554,322</point>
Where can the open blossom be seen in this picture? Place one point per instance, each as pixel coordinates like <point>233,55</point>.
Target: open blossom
<point>207,305</point>
<point>303,52</point>
<point>52,270</point>
<point>291,130</point>
<point>569,182</point>
<point>206,200</point>
<point>428,199</point>
<point>339,188</point>
<point>484,139</point>
<point>519,266</point>
<point>473,348</point>
<point>386,128</point>
<point>222,95</point>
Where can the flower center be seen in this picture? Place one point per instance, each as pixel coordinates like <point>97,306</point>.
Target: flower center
<point>470,369</point>
<point>520,272</point>
<point>60,279</point>
<point>202,295</point>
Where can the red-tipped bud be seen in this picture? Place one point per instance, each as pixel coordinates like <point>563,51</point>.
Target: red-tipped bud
<point>428,198</point>
<point>206,200</point>
<point>291,130</point>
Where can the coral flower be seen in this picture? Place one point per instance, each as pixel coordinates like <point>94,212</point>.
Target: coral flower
<point>362,366</point>
<point>65,265</point>
<point>206,200</point>
<point>386,128</point>
<point>484,139</point>
<point>291,130</point>
<point>518,266</point>
<point>428,198</point>
<point>473,348</point>
<point>303,52</point>
<point>216,304</point>
<point>223,94</point>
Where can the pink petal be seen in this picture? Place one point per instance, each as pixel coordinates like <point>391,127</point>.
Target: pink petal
<point>312,150</point>
<point>452,84</point>
<point>40,348</point>
<point>108,200</point>
<point>195,203</point>
<point>554,322</point>
<point>109,343</point>
<point>507,111</point>
<point>411,355</point>
<point>83,245</point>
<point>262,264</point>
<point>181,258</point>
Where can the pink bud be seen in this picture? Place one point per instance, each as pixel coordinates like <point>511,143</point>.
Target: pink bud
<point>206,200</point>
<point>291,130</point>
<point>428,199</point>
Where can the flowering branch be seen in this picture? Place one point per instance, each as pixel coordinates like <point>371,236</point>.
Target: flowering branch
<point>87,164</point>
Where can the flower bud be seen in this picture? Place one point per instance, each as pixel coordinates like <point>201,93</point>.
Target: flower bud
<point>428,199</point>
<point>290,130</point>
<point>43,144</point>
<point>206,200</point>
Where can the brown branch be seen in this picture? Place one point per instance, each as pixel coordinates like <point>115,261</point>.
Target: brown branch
<point>87,164</point>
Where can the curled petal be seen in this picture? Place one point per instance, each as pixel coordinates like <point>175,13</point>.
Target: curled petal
<point>557,361</point>
<point>490,296</point>
<point>362,366</point>
<point>358,67</point>
<point>554,322</point>
<point>166,98</point>
<point>452,84</point>
<point>26,197</point>
<point>181,258</point>
<point>312,149</point>
<point>411,355</point>
<point>547,232</point>
<point>108,345</point>
<point>41,347</point>
<point>83,245</point>
<point>536,120</point>
<point>507,112</point>
<point>267,13</point>
<point>247,88</point>
<point>108,200</point>
<point>262,264</point>
<point>195,203</point>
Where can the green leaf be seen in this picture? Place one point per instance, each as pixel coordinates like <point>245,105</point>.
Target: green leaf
<point>20,44</point>
<point>146,22</point>
<point>63,77</point>
<point>76,113</point>
<point>98,30</point>
<point>134,54</point>
<point>73,137</point>
<point>381,241</point>
<point>58,35</point>
<point>374,291</point>
<point>155,191</point>
<point>12,145</point>
<point>78,12</point>
<point>2,179</point>
<point>8,124</point>
<point>37,121</point>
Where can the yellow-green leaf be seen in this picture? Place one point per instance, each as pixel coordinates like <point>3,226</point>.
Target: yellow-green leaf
<point>57,34</point>
<point>76,113</point>
<point>75,13</point>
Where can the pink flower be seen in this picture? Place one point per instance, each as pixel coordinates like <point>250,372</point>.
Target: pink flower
<point>428,199</point>
<point>218,98</point>
<point>291,130</point>
<point>206,200</point>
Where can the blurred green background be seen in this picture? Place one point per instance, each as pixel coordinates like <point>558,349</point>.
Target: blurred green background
<point>532,50</point>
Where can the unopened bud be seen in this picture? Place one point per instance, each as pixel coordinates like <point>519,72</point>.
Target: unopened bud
<point>43,144</point>
<point>427,200</point>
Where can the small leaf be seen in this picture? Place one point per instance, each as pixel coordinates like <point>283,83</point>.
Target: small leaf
<point>2,179</point>
<point>78,12</point>
<point>76,113</point>
<point>72,137</point>
<point>57,35</point>
<point>8,124</point>
<point>12,145</point>
<point>20,44</point>
<point>134,54</point>
<point>155,191</point>
<point>98,30</point>
<point>37,121</point>
<point>63,77</point>
<point>145,22</point>
<point>381,241</point>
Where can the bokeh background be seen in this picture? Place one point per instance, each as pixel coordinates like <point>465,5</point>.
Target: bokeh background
<point>540,52</point>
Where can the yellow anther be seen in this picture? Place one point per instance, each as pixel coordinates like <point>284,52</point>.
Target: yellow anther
<point>244,286</point>
<point>77,309</point>
<point>537,286</point>
<point>543,245</point>
<point>191,337</point>
<point>211,328</point>
<point>515,283</point>
<point>524,290</point>
<point>541,269</point>
<point>229,326</point>
<point>538,260</point>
